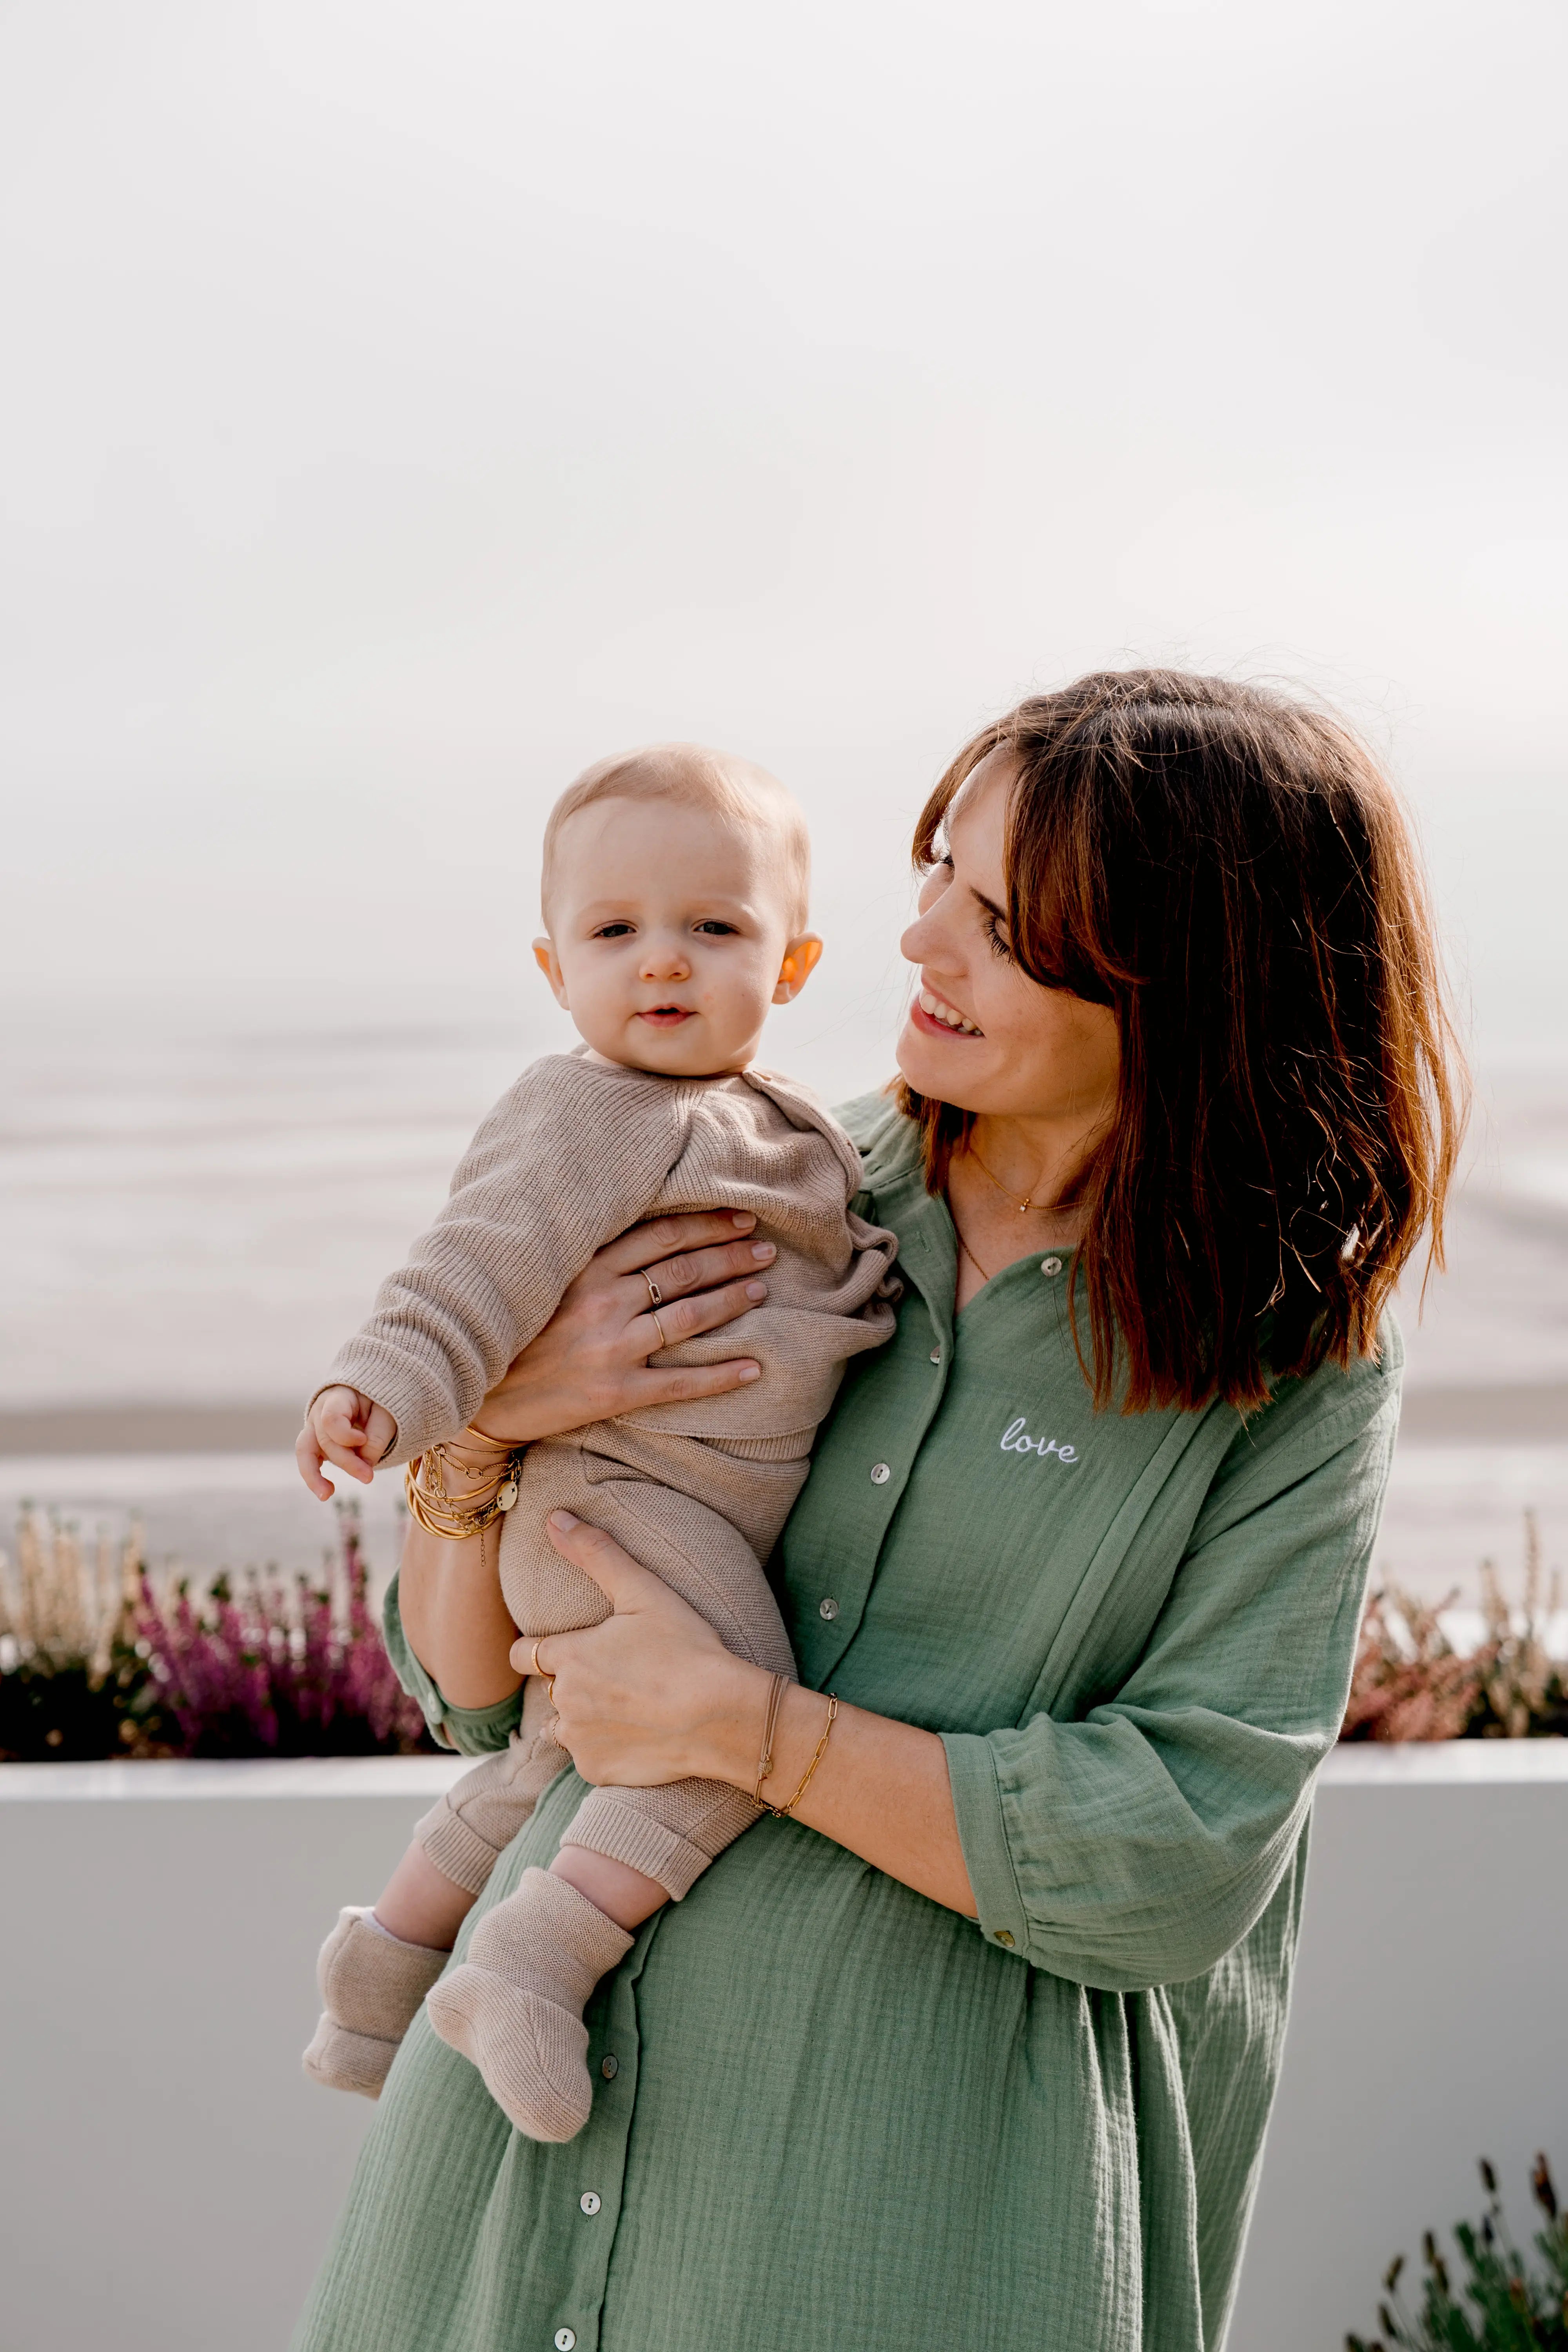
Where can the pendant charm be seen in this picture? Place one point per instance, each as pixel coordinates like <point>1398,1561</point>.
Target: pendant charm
<point>506,1496</point>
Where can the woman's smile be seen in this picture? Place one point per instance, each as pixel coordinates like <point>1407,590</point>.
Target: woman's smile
<point>936,1016</point>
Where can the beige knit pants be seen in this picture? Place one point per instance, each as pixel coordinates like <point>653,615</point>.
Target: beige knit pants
<point>702,1513</point>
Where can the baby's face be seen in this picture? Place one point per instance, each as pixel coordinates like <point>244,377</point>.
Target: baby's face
<point>669,936</point>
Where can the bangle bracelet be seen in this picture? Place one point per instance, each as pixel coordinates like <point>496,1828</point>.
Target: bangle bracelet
<point>455,1519</point>
<point>781,1813</point>
<point>765,1761</point>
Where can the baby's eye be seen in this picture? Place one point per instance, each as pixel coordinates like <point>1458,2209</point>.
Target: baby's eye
<point>612,931</point>
<point>716,930</point>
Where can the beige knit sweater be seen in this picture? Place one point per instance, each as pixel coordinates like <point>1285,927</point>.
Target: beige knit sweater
<point>574,1154</point>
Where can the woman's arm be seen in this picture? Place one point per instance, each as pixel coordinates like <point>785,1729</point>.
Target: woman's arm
<point>1129,1847</point>
<point>589,1362</point>
<point>652,1695</point>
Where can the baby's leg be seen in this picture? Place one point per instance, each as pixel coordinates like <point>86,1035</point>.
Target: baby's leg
<point>515,2007</point>
<point>376,1966</point>
<point>467,1831</point>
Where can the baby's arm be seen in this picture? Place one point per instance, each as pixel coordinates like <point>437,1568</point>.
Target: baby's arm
<point>565,1161</point>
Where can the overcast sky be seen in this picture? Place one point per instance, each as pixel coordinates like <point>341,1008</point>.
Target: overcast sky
<point>404,405</point>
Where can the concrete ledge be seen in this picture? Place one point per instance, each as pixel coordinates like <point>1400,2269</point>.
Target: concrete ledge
<point>247,1779</point>
<point>1444,1764</point>
<point>1453,1763</point>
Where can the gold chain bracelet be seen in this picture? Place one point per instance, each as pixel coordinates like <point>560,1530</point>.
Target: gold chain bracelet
<point>766,1760</point>
<point>781,1813</point>
<point>455,1519</point>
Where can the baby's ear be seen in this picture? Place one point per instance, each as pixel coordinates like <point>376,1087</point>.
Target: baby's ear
<point>801,959</point>
<point>548,963</point>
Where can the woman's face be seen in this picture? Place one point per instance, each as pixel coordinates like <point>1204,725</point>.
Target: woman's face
<point>981,1034</point>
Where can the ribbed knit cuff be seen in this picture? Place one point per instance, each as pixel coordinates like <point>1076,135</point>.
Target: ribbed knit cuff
<point>672,1862</point>
<point>458,1852</point>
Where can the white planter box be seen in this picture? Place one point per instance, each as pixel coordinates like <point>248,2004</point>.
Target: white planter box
<point>170,2178</point>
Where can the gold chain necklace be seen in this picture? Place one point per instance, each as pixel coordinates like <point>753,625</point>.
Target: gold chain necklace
<point>969,1254</point>
<point>1023,1206</point>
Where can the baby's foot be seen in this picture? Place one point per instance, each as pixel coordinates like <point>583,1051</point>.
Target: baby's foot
<point>515,2007</point>
<point>372,1985</point>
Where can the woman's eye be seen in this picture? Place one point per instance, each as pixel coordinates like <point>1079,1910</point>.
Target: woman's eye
<point>996,940</point>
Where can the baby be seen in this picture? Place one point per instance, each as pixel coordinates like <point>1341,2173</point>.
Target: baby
<point>675,906</point>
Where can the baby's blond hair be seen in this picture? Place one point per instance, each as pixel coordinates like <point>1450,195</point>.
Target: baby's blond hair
<point>691,776</point>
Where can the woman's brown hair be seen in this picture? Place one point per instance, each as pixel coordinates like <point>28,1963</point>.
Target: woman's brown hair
<point>1232,873</point>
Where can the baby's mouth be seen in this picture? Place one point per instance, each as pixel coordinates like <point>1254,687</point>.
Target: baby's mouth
<point>665,1016</point>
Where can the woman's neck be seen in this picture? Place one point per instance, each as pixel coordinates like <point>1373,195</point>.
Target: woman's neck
<point>1035,1164</point>
<point>1010,1192</point>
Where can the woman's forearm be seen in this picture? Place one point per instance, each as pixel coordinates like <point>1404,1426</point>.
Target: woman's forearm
<point>881,1787</point>
<point>450,1598</point>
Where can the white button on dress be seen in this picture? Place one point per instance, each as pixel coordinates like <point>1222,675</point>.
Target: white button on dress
<point>566,2339</point>
<point>880,1474</point>
<point>1049,1265</point>
<point>828,1609</point>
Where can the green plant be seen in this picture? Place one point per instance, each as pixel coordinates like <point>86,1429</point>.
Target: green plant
<point>72,1683</point>
<point>96,1662</point>
<point>1410,1683</point>
<point>1515,2307</point>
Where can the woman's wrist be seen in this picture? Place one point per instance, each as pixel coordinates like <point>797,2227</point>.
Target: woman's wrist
<point>726,1743</point>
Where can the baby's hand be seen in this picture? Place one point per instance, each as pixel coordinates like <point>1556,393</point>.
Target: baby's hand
<point>346,1429</point>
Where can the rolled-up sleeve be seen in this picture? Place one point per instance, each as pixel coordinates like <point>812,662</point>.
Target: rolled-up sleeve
<point>1136,1846</point>
<point>471,1730</point>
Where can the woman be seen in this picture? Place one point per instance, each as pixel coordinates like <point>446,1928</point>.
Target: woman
<point>978,2047</point>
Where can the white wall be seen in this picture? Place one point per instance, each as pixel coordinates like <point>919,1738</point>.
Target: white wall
<point>169,2178</point>
<point>1430,2026</point>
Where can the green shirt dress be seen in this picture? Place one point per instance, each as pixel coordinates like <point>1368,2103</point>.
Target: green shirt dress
<point>832,2116</point>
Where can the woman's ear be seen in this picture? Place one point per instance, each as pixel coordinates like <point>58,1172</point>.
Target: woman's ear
<point>548,963</point>
<point>801,959</point>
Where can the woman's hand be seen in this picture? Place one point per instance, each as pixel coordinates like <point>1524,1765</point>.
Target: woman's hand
<point>652,1695</point>
<point>590,1361</point>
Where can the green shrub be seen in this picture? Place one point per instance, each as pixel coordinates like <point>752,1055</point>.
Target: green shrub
<point>1511,2305</point>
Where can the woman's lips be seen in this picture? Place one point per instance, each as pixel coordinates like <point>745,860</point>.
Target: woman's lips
<point>931,1024</point>
<point>667,1017</point>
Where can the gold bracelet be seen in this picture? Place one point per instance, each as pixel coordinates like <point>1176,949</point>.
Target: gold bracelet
<point>452,1518</point>
<point>781,1813</point>
<point>765,1761</point>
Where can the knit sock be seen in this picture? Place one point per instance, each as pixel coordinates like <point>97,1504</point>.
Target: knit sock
<point>373,1984</point>
<point>515,2007</point>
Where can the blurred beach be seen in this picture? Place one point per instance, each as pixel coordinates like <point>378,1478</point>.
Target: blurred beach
<point>198,1209</point>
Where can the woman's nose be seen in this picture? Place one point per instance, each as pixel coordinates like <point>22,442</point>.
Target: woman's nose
<point>919,943</point>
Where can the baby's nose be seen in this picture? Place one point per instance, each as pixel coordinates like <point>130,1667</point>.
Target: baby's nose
<point>665,959</point>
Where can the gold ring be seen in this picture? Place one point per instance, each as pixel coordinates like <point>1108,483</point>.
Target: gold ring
<point>663,1339</point>
<point>534,1667</point>
<point>654,1295</point>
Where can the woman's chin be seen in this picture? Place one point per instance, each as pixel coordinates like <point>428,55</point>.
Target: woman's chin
<point>934,1066</point>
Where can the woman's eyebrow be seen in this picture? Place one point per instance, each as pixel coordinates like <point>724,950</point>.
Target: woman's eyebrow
<point>989,904</point>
